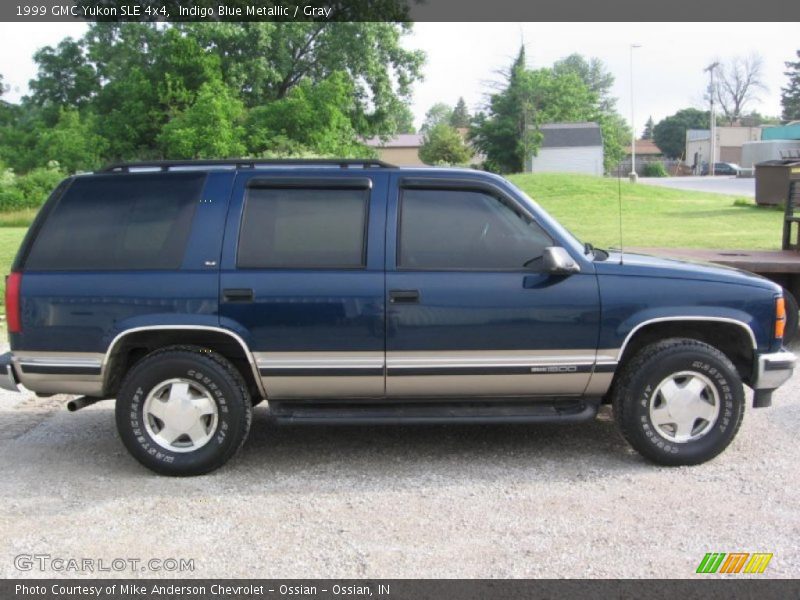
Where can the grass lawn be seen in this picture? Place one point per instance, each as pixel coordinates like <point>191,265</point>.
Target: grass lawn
<point>652,216</point>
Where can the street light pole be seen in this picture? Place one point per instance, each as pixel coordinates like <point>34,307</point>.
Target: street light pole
<point>713,125</point>
<point>632,176</point>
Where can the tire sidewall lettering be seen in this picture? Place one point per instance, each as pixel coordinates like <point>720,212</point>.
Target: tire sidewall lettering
<point>658,367</point>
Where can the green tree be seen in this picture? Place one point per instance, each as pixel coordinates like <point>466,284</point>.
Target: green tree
<point>501,134</point>
<point>438,113</point>
<point>790,95</point>
<point>593,73</point>
<point>132,117</point>
<point>265,61</point>
<point>647,134</point>
<point>181,68</point>
<point>442,144</point>
<point>460,116</point>
<point>312,119</point>
<point>404,120</point>
<point>509,134</point>
<point>20,130</point>
<point>209,128</point>
<point>3,87</point>
<point>71,142</point>
<point>65,77</point>
<point>616,138</point>
<point>669,134</point>
<point>139,84</point>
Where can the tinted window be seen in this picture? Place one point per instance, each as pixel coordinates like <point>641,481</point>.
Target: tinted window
<point>442,229</point>
<point>303,228</point>
<point>119,222</point>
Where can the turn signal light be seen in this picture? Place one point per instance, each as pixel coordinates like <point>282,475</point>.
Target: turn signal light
<point>780,317</point>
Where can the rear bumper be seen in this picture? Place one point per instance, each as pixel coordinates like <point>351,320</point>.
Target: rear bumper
<point>774,369</point>
<point>8,379</point>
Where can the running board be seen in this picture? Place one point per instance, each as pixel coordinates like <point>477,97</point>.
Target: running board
<point>311,413</point>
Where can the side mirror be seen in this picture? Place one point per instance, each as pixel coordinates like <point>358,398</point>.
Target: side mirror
<point>557,260</point>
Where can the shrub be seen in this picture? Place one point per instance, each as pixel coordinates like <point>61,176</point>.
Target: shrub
<point>655,169</point>
<point>18,192</point>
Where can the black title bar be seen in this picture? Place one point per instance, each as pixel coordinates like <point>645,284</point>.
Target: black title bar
<point>399,10</point>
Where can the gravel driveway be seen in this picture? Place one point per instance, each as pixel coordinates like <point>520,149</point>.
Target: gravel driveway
<point>481,501</point>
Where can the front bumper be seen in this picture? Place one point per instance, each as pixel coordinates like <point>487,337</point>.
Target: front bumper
<point>774,369</point>
<point>8,378</point>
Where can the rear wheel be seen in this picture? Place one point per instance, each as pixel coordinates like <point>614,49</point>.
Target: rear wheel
<point>183,411</point>
<point>679,402</point>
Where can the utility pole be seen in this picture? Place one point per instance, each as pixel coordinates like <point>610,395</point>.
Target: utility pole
<point>713,129</point>
<point>633,176</point>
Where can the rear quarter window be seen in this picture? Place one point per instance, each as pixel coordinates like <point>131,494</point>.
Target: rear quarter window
<point>118,222</point>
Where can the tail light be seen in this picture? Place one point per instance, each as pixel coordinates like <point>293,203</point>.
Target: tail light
<point>780,317</point>
<point>13,284</point>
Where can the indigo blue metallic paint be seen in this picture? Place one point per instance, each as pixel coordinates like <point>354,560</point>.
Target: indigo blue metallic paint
<point>348,310</point>
<point>83,311</point>
<point>645,288</point>
<point>305,309</point>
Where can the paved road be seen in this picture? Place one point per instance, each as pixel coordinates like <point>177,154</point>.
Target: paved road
<point>720,184</point>
<point>483,501</point>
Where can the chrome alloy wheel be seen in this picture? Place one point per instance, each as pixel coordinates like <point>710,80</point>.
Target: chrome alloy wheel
<point>684,406</point>
<point>180,415</point>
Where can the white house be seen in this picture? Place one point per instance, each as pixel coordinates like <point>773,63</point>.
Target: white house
<point>569,148</point>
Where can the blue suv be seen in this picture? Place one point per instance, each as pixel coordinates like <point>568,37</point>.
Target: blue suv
<point>357,292</point>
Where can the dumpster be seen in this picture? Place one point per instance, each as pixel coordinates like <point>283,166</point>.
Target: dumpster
<point>772,180</point>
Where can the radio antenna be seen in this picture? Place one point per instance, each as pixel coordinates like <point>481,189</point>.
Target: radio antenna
<point>619,202</point>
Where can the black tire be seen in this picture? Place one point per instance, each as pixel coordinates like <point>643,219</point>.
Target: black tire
<point>792,317</point>
<point>214,374</point>
<point>636,390</point>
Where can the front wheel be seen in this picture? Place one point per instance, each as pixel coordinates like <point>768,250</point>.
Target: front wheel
<point>183,411</point>
<point>679,402</point>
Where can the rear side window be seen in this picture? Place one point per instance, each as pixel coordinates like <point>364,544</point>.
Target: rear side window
<point>299,228</point>
<point>119,222</point>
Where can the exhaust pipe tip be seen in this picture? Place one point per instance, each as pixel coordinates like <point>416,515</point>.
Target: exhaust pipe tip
<point>81,402</point>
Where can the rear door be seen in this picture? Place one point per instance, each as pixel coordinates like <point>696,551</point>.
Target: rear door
<point>302,280</point>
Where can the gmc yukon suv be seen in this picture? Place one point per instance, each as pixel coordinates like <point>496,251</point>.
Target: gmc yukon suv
<point>358,292</point>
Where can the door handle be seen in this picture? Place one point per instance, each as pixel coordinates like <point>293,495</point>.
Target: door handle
<point>404,296</point>
<point>238,294</point>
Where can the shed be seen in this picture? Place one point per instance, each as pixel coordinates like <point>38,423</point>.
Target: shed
<point>569,148</point>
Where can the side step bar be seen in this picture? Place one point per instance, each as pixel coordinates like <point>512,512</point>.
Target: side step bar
<point>438,412</point>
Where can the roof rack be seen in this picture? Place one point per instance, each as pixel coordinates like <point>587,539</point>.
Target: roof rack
<point>246,163</point>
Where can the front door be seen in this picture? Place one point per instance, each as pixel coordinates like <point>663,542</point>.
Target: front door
<point>302,280</point>
<point>469,310</point>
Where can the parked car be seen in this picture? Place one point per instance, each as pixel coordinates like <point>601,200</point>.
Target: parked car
<point>723,168</point>
<point>357,292</point>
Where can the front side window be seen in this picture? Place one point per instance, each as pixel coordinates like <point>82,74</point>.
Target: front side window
<point>119,222</point>
<point>303,229</point>
<point>466,230</point>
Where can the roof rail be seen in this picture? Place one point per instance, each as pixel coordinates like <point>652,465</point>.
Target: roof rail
<point>247,163</point>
